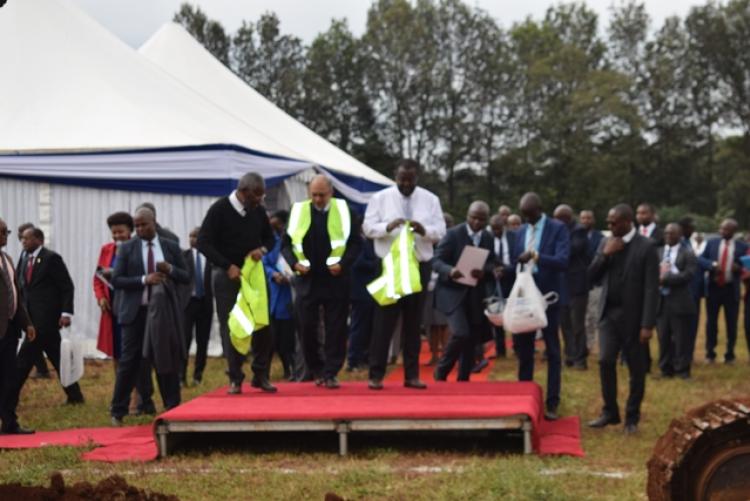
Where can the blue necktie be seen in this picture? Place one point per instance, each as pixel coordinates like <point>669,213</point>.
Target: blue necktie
<point>667,259</point>
<point>199,291</point>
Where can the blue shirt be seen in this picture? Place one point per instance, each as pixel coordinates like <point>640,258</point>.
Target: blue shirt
<point>280,305</point>
<point>538,230</point>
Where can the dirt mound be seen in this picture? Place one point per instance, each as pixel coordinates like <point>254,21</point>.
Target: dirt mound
<point>114,487</point>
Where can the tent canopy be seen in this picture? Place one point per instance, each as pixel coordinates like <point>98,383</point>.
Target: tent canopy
<point>82,107</point>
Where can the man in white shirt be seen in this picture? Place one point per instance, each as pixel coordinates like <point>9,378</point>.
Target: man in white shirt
<point>387,212</point>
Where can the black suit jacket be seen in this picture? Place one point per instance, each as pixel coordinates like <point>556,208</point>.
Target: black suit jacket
<point>49,294</point>
<point>679,301</point>
<point>20,320</point>
<point>640,294</point>
<point>449,294</point>
<point>509,271</point>
<point>657,236</point>
<point>337,286</point>
<point>578,261</point>
<point>186,290</point>
<point>128,274</point>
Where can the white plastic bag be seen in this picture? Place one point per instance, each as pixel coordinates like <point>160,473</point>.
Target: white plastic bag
<point>525,310</point>
<point>71,357</point>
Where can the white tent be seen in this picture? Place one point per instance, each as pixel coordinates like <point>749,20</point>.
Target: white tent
<point>88,127</point>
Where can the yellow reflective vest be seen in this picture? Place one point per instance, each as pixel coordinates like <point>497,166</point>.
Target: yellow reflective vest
<point>339,226</point>
<point>250,312</point>
<point>400,275</point>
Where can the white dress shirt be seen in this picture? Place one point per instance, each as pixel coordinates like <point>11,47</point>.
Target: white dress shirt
<point>670,256</point>
<point>501,249</point>
<point>389,204</point>
<point>235,201</point>
<point>646,231</point>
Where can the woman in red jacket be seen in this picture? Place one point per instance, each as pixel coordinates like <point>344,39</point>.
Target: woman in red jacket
<point>121,226</point>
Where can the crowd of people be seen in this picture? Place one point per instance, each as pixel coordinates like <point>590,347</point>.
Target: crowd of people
<point>359,291</point>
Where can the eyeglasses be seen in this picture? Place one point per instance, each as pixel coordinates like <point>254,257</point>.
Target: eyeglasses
<point>5,232</point>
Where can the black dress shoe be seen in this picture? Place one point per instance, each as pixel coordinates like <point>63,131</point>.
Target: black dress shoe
<point>439,376</point>
<point>17,430</point>
<point>551,415</point>
<point>332,383</point>
<point>117,421</point>
<point>480,366</point>
<point>75,400</point>
<point>234,388</point>
<point>146,411</point>
<point>630,428</point>
<point>375,384</point>
<point>415,383</point>
<point>603,421</point>
<point>264,385</point>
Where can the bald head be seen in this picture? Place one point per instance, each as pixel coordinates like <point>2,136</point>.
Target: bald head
<point>564,213</point>
<point>321,191</point>
<point>672,234</point>
<point>531,207</point>
<point>145,223</point>
<point>728,228</point>
<point>514,222</point>
<point>477,215</point>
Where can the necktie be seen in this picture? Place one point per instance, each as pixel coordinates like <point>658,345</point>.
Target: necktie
<point>29,268</point>
<point>150,266</point>
<point>722,278</point>
<point>199,292</point>
<point>407,208</point>
<point>668,261</point>
<point>11,288</point>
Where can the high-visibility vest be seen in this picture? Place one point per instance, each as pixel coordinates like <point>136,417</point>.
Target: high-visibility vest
<point>250,312</point>
<point>400,275</point>
<point>339,227</point>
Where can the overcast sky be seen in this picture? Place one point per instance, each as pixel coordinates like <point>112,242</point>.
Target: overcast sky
<point>135,21</point>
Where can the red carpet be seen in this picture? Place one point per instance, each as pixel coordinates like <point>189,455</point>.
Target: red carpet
<point>426,371</point>
<point>132,443</point>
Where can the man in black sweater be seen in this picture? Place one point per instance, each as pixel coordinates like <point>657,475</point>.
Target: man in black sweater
<point>234,228</point>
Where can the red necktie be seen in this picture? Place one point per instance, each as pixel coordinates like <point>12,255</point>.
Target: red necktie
<point>644,231</point>
<point>722,278</point>
<point>29,268</point>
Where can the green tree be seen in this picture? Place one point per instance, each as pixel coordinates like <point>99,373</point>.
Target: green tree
<point>208,32</point>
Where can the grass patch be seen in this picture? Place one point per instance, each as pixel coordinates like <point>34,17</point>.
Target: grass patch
<point>614,467</point>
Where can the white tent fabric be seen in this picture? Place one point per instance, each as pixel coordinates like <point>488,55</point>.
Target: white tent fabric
<point>173,49</point>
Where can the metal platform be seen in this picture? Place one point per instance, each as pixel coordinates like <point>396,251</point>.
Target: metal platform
<point>168,432</point>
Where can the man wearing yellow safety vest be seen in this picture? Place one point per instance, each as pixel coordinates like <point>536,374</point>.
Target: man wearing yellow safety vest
<point>321,243</point>
<point>405,222</point>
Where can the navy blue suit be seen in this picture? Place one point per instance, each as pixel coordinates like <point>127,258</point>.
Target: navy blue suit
<point>718,296</point>
<point>595,237</point>
<point>554,251</point>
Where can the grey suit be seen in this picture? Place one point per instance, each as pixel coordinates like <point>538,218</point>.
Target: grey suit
<point>676,311</point>
<point>128,279</point>
<point>629,301</point>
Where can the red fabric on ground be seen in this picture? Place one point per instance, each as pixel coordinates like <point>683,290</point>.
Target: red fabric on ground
<point>426,371</point>
<point>131,443</point>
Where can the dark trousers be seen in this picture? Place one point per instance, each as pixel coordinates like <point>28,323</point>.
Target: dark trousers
<point>694,322</point>
<point>284,343</point>
<point>198,314</point>
<point>498,334</point>
<point>462,345</point>
<point>717,298</point>
<point>261,343</point>
<point>614,338</point>
<point>133,369</point>
<point>334,312</point>
<point>573,326</point>
<point>47,341</point>
<point>523,344</point>
<point>8,379</point>
<point>747,319</point>
<point>674,343</point>
<point>384,323</point>
<point>41,365</point>
<point>360,331</point>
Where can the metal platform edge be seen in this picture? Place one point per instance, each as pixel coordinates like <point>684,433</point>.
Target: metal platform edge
<point>164,428</point>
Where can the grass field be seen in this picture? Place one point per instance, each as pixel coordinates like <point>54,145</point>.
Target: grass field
<point>614,466</point>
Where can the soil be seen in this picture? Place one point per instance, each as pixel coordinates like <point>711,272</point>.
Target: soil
<point>114,487</point>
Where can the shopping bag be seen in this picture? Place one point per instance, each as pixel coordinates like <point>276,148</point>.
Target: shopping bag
<point>72,346</point>
<point>525,309</point>
<point>494,306</point>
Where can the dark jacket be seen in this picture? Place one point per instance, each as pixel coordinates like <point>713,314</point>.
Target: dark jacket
<point>21,319</point>
<point>364,270</point>
<point>640,293</point>
<point>679,300</point>
<point>509,271</point>
<point>450,294</point>
<point>164,339</point>
<point>595,238</point>
<point>711,255</point>
<point>318,279</point>
<point>185,291</point>
<point>554,252</point>
<point>578,262</point>
<point>166,233</point>
<point>49,294</point>
<point>129,271</point>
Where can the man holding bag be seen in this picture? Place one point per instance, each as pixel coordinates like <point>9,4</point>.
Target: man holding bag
<point>463,304</point>
<point>544,244</point>
<point>627,266</point>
